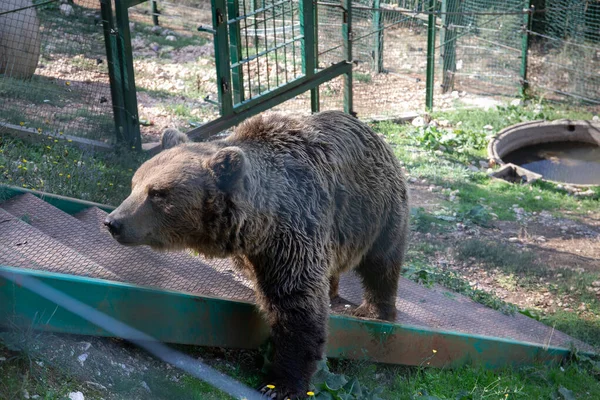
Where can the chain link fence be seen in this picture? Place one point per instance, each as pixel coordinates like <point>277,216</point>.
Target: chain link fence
<point>53,69</point>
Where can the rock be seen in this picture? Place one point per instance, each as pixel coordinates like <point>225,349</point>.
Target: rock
<point>76,396</point>
<point>516,102</point>
<point>156,30</point>
<point>538,197</point>
<point>473,168</point>
<point>582,307</point>
<point>166,32</point>
<point>25,394</point>
<point>587,193</point>
<point>66,10</point>
<point>438,153</point>
<point>412,179</point>
<point>513,239</point>
<point>171,38</point>
<point>154,47</point>
<point>541,239</point>
<point>454,94</point>
<point>85,345</point>
<point>35,396</point>
<point>483,164</point>
<point>419,122</point>
<point>488,127</point>
<point>444,123</point>
<point>131,26</point>
<point>82,358</point>
<point>595,118</point>
<point>596,284</point>
<point>145,386</point>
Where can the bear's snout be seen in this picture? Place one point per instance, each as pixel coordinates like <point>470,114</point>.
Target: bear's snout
<point>114,226</point>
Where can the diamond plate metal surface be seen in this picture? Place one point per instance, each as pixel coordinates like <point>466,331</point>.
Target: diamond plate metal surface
<point>139,265</point>
<point>80,245</point>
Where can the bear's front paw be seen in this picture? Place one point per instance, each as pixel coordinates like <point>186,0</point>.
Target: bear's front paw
<point>277,392</point>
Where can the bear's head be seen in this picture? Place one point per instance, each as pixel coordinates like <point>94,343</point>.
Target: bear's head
<point>183,198</point>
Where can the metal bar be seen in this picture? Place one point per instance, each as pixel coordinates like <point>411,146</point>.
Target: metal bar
<point>315,102</point>
<point>66,204</point>
<point>14,10</point>
<point>222,60</point>
<point>262,53</point>
<point>131,132</point>
<point>430,57</point>
<point>114,72</point>
<point>207,321</point>
<point>255,12</point>
<point>132,3</point>
<point>378,39</point>
<point>267,100</point>
<point>347,37</point>
<point>527,20</point>
<point>154,11</point>
<point>448,45</point>
<point>235,52</point>
<point>307,29</point>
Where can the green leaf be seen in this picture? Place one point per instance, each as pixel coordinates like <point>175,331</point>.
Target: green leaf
<point>335,382</point>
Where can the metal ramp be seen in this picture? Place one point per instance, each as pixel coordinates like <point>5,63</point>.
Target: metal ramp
<point>73,251</point>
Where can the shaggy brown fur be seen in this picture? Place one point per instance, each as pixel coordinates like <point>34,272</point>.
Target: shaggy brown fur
<point>171,137</point>
<point>294,202</point>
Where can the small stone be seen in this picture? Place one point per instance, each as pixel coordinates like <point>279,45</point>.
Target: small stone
<point>82,358</point>
<point>347,306</point>
<point>154,47</point>
<point>419,122</point>
<point>582,307</point>
<point>595,118</point>
<point>483,164</point>
<point>170,38</point>
<point>412,179</point>
<point>76,396</point>
<point>40,363</point>
<point>145,386</point>
<point>25,394</point>
<point>438,153</point>
<point>131,26</point>
<point>596,284</point>
<point>513,239</point>
<point>35,396</point>
<point>516,102</point>
<point>166,32</point>
<point>488,127</point>
<point>66,10</point>
<point>2,359</point>
<point>85,345</point>
<point>473,168</point>
<point>538,197</point>
<point>444,123</point>
<point>454,94</point>
<point>156,30</point>
<point>541,239</point>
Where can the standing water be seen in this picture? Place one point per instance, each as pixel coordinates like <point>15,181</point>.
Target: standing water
<point>569,162</point>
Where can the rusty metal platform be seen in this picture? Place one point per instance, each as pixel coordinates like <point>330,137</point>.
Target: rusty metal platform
<point>36,235</point>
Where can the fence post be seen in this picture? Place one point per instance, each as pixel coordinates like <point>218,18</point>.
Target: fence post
<point>114,70</point>
<point>527,18</point>
<point>448,42</point>
<point>131,132</point>
<point>347,35</point>
<point>307,30</point>
<point>154,11</point>
<point>378,40</point>
<point>430,55</point>
<point>222,57</point>
<point>235,50</point>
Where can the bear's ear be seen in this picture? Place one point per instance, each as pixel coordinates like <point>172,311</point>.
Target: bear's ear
<point>228,166</point>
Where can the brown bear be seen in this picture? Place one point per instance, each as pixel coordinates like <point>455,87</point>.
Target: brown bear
<point>294,201</point>
<point>172,137</point>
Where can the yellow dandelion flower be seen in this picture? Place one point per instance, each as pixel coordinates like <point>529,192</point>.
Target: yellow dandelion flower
<point>60,133</point>
<point>268,386</point>
<point>24,160</point>
<point>98,183</point>
<point>310,394</point>
<point>24,185</point>
<point>110,184</point>
<point>68,83</point>
<point>69,176</point>
<point>55,140</point>
<point>49,148</point>
<point>130,170</point>
<point>434,351</point>
<point>1,166</point>
<point>39,130</point>
<point>21,123</point>
<point>69,140</point>
<point>24,168</point>
<point>60,174</point>
<point>19,167</point>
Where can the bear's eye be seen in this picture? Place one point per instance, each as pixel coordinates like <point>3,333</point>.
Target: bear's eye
<point>157,193</point>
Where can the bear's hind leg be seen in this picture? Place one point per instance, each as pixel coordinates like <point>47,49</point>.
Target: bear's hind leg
<point>380,271</point>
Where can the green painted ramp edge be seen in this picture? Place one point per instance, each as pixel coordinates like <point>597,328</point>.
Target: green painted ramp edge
<point>175,317</point>
<point>66,204</point>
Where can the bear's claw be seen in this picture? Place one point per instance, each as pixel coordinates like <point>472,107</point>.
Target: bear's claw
<point>271,392</point>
